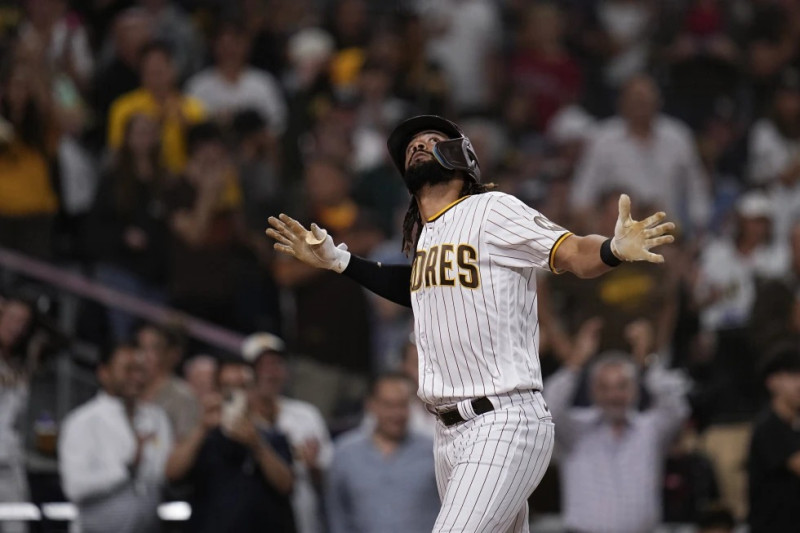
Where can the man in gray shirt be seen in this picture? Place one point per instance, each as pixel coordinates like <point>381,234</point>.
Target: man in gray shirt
<point>162,351</point>
<point>382,480</point>
<point>611,455</point>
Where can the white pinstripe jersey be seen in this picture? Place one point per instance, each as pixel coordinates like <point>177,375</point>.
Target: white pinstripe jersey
<point>473,291</point>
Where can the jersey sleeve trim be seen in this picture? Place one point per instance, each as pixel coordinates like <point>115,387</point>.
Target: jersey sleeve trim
<point>553,250</point>
<point>447,208</point>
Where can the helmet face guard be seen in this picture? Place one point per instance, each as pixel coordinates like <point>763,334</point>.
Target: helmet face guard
<point>457,154</point>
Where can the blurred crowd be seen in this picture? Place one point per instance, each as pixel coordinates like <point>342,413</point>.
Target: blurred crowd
<point>144,143</point>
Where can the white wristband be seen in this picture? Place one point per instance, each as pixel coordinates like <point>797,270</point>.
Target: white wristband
<point>341,260</point>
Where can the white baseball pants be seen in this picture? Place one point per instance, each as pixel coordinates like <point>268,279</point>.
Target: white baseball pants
<point>488,466</point>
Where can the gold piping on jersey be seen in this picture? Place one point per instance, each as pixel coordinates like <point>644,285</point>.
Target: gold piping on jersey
<point>553,252</point>
<point>447,207</point>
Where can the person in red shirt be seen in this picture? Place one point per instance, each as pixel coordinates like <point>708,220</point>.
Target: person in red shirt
<point>543,75</point>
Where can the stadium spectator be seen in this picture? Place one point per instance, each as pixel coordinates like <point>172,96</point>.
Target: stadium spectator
<point>162,347</point>
<point>127,234</point>
<point>649,155</point>
<point>118,73</point>
<point>391,322</point>
<point>158,97</point>
<point>257,157</point>
<point>59,31</point>
<point>204,207</point>
<point>774,462</point>
<point>170,24</point>
<point>698,43</point>
<point>308,88</point>
<point>16,324</point>
<point>28,197</point>
<point>350,24</point>
<point>258,162</point>
<point>611,456</point>
<point>730,271</point>
<point>201,375</point>
<point>465,40</point>
<point>337,135</point>
<point>774,152</point>
<point>350,27</point>
<point>328,199</point>
<point>541,71</point>
<point>309,53</point>
<point>16,319</point>
<point>231,85</point>
<point>75,175</point>
<point>690,483</point>
<point>623,29</point>
<point>269,34</point>
<point>236,460</point>
<point>793,276</point>
<point>379,108</point>
<point>774,138</point>
<point>775,319</point>
<point>383,479</point>
<point>334,355</point>
<point>113,450</point>
<point>418,78</point>
<point>421,421</point>
<point>301,422</point>
<point>771,34</point>
<point>728,266</point>
<point>722,146</point>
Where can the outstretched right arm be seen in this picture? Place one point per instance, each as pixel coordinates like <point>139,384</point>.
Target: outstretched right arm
<point>316,248</point>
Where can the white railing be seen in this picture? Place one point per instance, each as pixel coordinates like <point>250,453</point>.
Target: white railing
<point>67,512</point>
<point>84,287</point>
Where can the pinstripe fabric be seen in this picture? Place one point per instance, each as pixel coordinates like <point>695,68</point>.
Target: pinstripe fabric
<point>473,291</point>
<point>474,298</point>
<point>487,467</point>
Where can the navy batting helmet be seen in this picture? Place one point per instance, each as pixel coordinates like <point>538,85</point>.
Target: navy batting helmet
<point>456,153</point>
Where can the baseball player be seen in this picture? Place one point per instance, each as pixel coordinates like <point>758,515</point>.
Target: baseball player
<point>472,288</point>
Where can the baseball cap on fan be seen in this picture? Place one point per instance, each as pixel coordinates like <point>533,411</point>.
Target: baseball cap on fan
<point>754,204</point>
<point>257,344</point>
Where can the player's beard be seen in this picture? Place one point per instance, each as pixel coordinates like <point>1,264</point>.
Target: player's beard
<point>426,173</point>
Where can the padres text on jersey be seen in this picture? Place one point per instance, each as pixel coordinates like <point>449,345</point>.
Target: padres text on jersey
<point>473,291</point>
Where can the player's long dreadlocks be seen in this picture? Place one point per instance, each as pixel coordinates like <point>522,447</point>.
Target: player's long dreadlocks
<point>412,221</point>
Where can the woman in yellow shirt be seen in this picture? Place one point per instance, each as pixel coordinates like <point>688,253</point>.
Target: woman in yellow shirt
<point>28,200</point>
<point>159,98</point>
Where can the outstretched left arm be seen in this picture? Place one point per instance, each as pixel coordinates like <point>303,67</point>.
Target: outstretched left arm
<point>588,257</point>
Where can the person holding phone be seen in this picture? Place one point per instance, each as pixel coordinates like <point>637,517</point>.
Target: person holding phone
<point>236,460</point>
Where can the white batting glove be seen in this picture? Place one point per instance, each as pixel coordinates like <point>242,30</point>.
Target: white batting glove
<point>633,239</point>
<point>313,247</point>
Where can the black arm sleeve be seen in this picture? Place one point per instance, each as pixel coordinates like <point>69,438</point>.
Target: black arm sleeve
<point>393,282</point>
